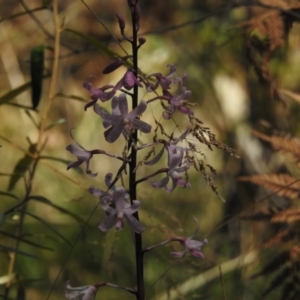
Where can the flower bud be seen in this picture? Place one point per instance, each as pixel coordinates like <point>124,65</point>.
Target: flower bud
<point>132,3</point>
<point>142,41</point>
<point>113,66</point>
<point>121,23</point>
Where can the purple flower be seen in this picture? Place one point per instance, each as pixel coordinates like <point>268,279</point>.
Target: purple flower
<point>176,179</point>
<point>193,246</point>
<point>105,197</point>
<point>175,102</point>
<point>98,93</point>
<point>83,155</point>
<point>128,81</point>
<point>178,102</point>
<point>163,81</point>
<point>120,120</point>
<point>175,157</point>
<point>120,209</point>
<point>168,147</point>
<point>87,292</point>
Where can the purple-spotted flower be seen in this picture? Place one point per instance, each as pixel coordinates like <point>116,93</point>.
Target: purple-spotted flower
<point>191,245</point>
<point>120,120</point>
<point>83,156</point>
<point>87,292</point>
<point>118,210</point>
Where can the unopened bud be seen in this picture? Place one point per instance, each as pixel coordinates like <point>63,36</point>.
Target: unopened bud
<point>132,3</point>
<point>121,22</point>
<point>142,41</point>
<point>113,66</point>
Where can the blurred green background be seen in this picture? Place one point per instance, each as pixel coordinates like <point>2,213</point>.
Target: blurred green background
<point>228,98</point>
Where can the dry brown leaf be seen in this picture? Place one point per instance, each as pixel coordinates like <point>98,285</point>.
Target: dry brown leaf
<point>270,24</point>
<point>287,216</point>
<point>279,143</point>
<point>275,240</point>
<point>282,184</point>
<point>292,95</point>
<point>295,253</point>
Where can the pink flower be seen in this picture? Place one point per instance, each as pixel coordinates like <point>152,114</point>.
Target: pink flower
<point>83,156</point>
<point>163,81</point>
<point>175,157</point>
<point>175,102</point>
<point>175,177</point>
<point>128,81</point>
<point>87,292</point>
<point>178,102</point>
<point>120,209</point>
<point>105,197</point>
<point>191,245</point>
<point>98,93</point>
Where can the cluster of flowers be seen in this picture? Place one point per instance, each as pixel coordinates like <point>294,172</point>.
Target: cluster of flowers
<point>122,122</point>
<point>114,201</point>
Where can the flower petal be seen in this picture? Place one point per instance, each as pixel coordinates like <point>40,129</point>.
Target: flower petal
<point>133,208</point>
<point>171,189</point>
<point>83,154</point>
<point>179,254</point>
<point>74,164</point>
<point>141,125</point>
<point>134,224</point>
<point>115,106</point>
<point>107,118</point>
<point>185,110</point>
<point>123,105</point>
<point>96,192</point>
<point>138,110</point>
<point>109,180</point>
<point>88,292</point>
<point>175,156</point>
<point>178,99</point>
<point>119,225</point>
<point>113,133</point>
<point>156,158</point>
<point>108,223</point>
<point>160,183</point>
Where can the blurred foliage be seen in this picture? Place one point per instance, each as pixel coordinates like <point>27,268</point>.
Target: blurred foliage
<point>212,47</point>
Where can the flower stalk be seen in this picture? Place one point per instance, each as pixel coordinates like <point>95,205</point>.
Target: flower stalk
<point>133,163</point>
<point>120,203</point>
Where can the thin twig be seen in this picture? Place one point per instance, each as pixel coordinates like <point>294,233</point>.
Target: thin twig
<point>222,282</point>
